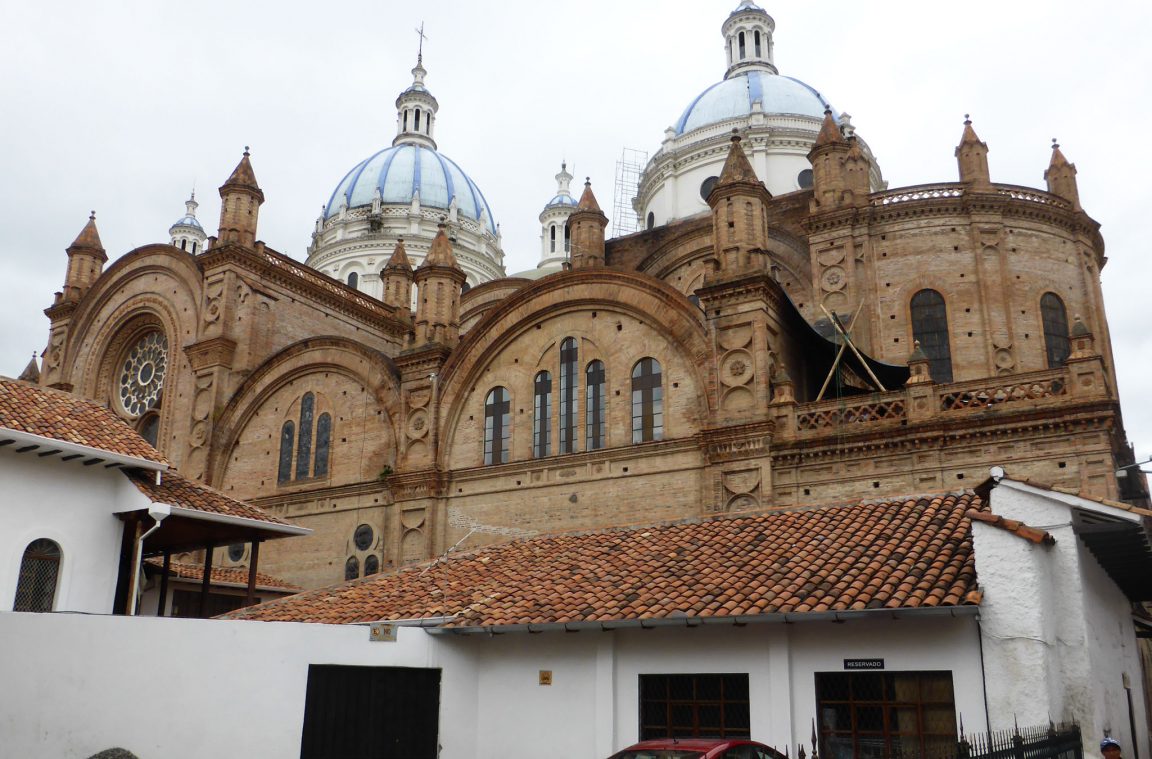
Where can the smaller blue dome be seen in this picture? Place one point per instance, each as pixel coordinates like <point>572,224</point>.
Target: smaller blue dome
<point>187,220</point>
<point>400,172</point>
<point>562,200</point>
<point>733,98</point>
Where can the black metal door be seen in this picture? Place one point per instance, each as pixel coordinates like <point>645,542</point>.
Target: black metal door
<point>370,713</point>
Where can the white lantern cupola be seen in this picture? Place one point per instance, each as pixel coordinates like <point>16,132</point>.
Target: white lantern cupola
<point>555,240</point>
<point>748,39</point>
<point>416,111</point>
<point>186,233</point>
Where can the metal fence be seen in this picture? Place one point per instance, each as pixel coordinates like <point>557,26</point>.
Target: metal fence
<point>1051,741</point>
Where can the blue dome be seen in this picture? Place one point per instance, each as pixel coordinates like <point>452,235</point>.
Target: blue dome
<point>187,220</point>
<point>562,200</point>
<point>400,171</point>
<point>734,97</point>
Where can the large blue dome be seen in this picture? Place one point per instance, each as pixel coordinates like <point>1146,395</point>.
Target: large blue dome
<point>399,172</point>
<point>733,98</point>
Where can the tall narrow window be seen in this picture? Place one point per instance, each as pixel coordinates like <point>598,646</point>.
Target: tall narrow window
<point>930,327</point>
<point>552,241</point>
<point>323,442</point>
<point>742,50</point>
<point>287,439</point>
<point>304,439</point>
<point>542,416</point>
<point>1055,319</point>
<point>497,426</point>
<point>193,246</point>
<point>756,37</point>
<point>353,279</point>
<point>594,402</point>
<point>39,572</point>
<point>417,119</point>
<point>567,239</point>
<point>647,401</point>
<point>405,119</point>
<point>183,245</point>
<point>568,392</point>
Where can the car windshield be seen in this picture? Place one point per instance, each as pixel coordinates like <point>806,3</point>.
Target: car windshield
<point>659,753</point>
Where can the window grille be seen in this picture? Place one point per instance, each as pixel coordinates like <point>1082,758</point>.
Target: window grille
<point>39,572</point>
<point>594,406</point>
<point>930,327</point>
<point>497,426</point>
<point>311,452</point>
<point>568,366</point>
<point>647,401</point>
<point>542,416</point>
<point>697,705</point>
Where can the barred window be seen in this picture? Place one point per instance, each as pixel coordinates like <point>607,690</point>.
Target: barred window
<point>39,572</point>
<point>886,714</point>
<point>930,327</point>
<point>595,392</point>
<point>697,705</point>
<point>647,401</point>
<point>298,443</point>
<point>497,426</point>
<point>542,416</point>
<point>568,392</point>
<point>1055,318</point>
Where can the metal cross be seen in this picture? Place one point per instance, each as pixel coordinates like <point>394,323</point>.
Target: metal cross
<point>420,50</point>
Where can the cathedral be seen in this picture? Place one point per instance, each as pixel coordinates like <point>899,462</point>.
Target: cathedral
<point>785,330</point>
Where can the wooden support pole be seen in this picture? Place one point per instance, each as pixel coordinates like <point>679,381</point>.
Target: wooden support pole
<point>253,561</point>
<point>161,605</point>
<point>206,581</point>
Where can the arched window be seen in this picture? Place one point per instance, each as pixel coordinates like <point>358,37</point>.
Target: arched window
<point>417,119</point>
<point>542,416</point>
<point>568,392</point>
<point>651,220</point>
<point>351,568</point>
<point>594,406</point>
<point>183,245</point>
<point>497,426</point>
<point>405,119</point>
<point>308,445</point>
<point>193,246</point>
<point>1055,319</point>
<point>742,51</point>
<point>149,427</point>
<point>287,439</point>
<point>930,328</point>
<point>304,437</point>
<point>756,37</point>
<point>353,279</point>
<point>552,241</point>
<point>371,564</point>
<point>647,401</point>
<point>567,239</point>
<point>39,572</point>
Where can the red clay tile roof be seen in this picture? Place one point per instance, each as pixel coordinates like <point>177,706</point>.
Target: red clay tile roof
<point>177,490</point>
<point>894,555</point>
<point>1041,485</point>
<point>1014,526</point>
<point>70,419</point>
<point>224,575</point>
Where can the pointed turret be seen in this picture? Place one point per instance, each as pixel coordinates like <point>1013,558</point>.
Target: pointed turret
<point>439,280</point>
<point>972,158</point>
<point>856,171</point>
<point>1061,177</point>
<point>586,227</point>
<point>240,201</point>
<point>86,259</point>
<point>831,188</point>
<point>31,372</point>
<point>739,204</point>
<point>397,277</point>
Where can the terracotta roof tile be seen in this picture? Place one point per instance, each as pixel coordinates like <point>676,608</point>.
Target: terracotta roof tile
<point>68,418</point>
<point>177,490</point>
<point>919,549</point>
<point>1032,534</point>
<point>1041,485</point>
<point>223,575</point>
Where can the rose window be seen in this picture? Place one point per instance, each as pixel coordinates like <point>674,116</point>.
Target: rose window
<point>142,377</point>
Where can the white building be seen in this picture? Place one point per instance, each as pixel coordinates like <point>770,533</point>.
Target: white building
<point>931,610</point>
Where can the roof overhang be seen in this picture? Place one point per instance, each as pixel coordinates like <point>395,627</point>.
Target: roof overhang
<point>191,529</point>
<point>920,612</point>
<point>26,442</point>
<point>1122,546</point>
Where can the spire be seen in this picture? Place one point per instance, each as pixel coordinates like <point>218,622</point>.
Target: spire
<point>186,233</point>
<point>587,199</point>
<point>89,237</point>
<point>240,201</point>
<point>563,179</point>
<point>399,258</point>
<point>415,107</point>
<point>829,131</point>
<point>555,236</point>
<point>736,166</point>
<point>31,372</point>
<point>1061,177</point>
<point>440,254</point>
<point>972,158</point>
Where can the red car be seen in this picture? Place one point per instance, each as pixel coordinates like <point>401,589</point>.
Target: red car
<point>698,748</point>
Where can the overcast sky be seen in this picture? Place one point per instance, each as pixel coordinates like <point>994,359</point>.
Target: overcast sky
<point>122,107</point>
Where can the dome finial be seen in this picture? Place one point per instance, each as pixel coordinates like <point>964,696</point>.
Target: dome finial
<point>967,119</point>
<point>92,216</point>
<point>246,149</point>
<point>420,48</point>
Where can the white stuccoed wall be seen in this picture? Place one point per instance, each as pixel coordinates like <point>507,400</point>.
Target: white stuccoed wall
<point>73,505</point>
<point>1054,625</point>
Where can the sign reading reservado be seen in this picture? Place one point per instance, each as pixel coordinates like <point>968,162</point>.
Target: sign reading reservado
<point>863,664</point>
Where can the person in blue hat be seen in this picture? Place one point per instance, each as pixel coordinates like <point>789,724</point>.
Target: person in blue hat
<point>1110,748</point>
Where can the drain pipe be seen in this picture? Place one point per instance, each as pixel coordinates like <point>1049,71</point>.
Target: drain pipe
<point>159,512</point>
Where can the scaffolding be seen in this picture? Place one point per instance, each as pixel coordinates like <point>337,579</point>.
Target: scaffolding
<point>625,219</point>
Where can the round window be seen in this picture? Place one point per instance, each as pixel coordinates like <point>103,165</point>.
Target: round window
<point>142,375</point>
<point>363,537</point>
<point>804,179</point>
<point>707,186</point>
<point>236,551</point>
